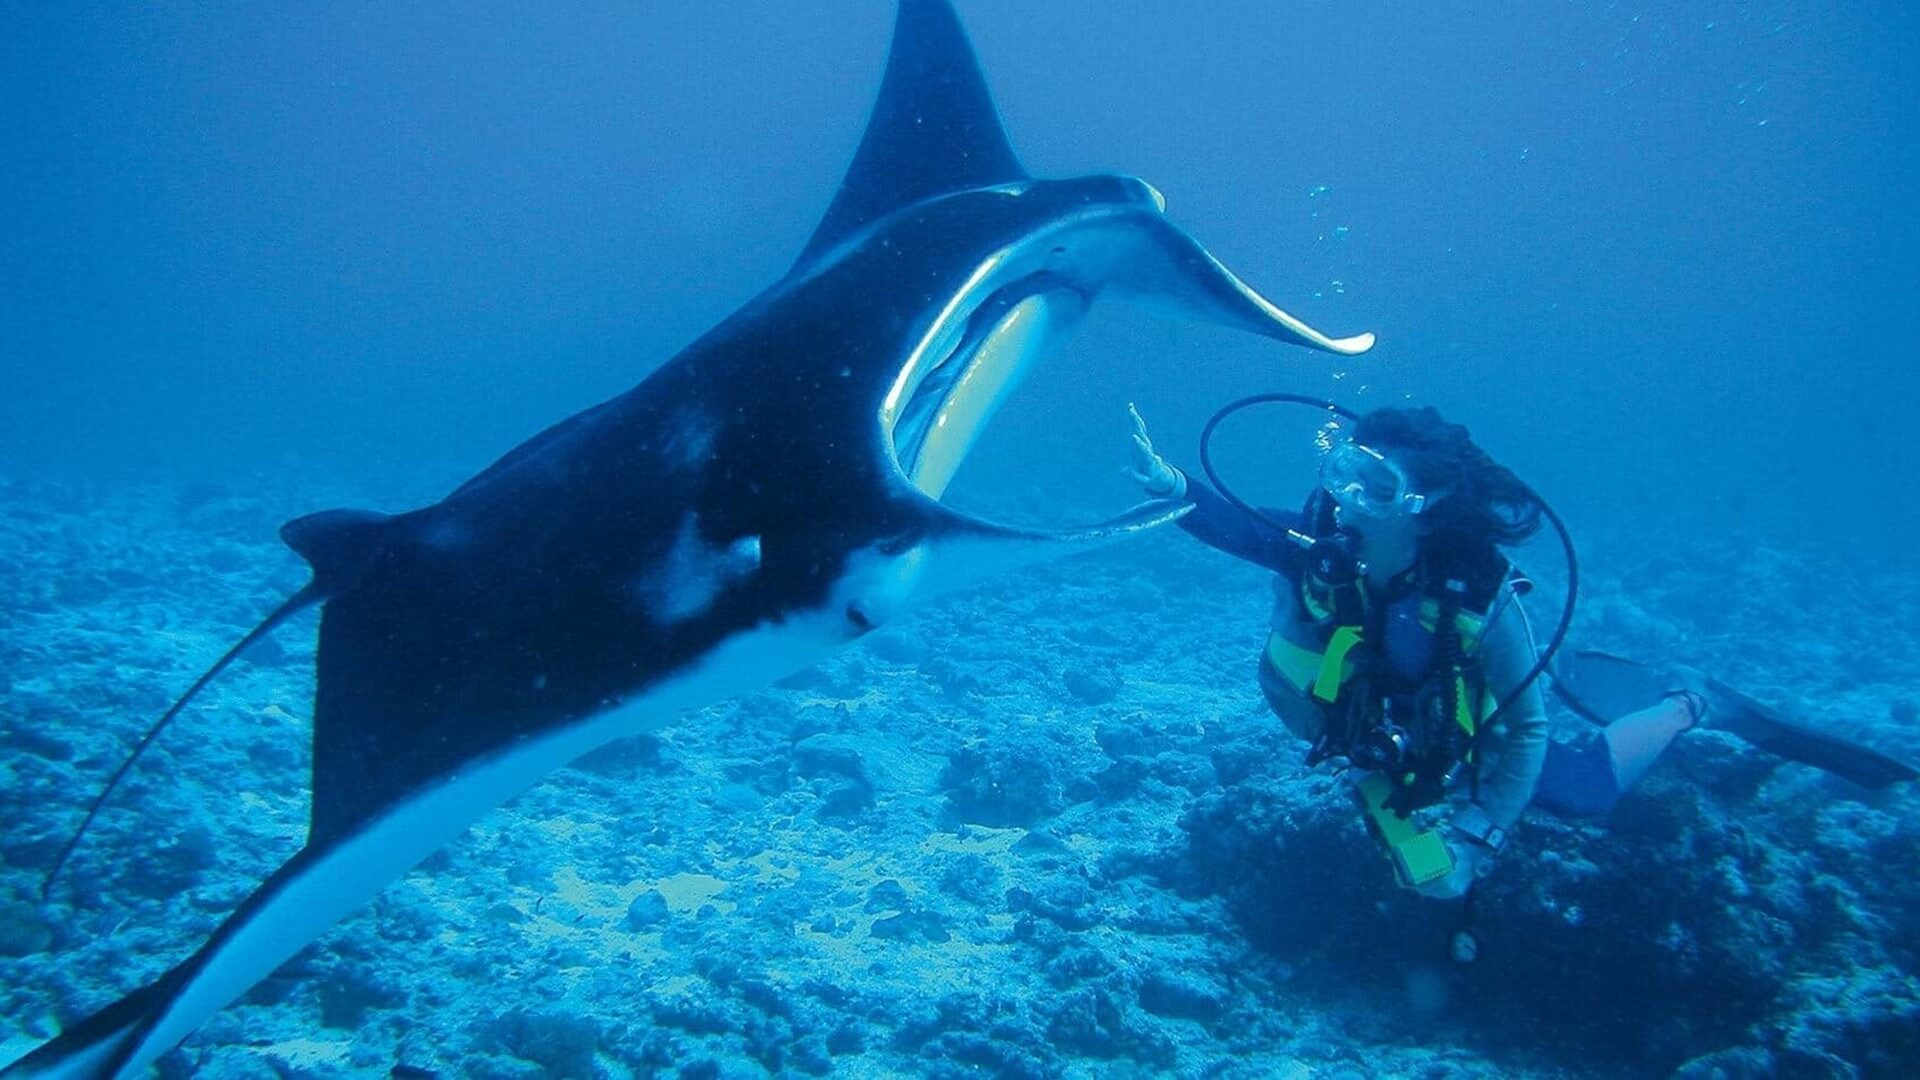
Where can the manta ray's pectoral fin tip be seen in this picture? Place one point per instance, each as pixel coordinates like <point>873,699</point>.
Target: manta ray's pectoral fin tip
<point>1288,327</point>
<point>1351,346</point>
<point>1175,272</point>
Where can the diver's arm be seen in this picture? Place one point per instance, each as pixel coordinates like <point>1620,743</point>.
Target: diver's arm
<point>1225,527</point>
<point>1214,521</point>
<point>1519,736</point>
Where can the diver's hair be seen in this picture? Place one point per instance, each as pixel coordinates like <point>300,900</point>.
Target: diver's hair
<point>1485,505</point>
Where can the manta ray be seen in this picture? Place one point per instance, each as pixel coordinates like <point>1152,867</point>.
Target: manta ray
<point>765,497</point>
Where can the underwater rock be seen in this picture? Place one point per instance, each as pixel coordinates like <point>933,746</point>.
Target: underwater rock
<point>955,679</point>
<point>784,908</point>
<point>33,740</point>
<point>1188,771</point>
<point>972,879</point>
<point>268,652</point>
<point>888,895</point>
<point>1078,963</point>
<point>349,992</point>
<point>959,1054</point>
<point>844,802</point>
<point>924,926</point>
<point>1090,1023</point>
<point>830,755</point>
<point>176,867</point>
<point>1867,1018</point>
<point>278,752</point>
<point>898,646</point>
<point>647,911</point>
<point>1131,737</point>
<point>695,1015</point>
<point>1065,902</point>
<point>1092,687</point>
<point>1003,783</point>
<point>1121,780</point>
<point>810,1055</point>
<point>848,1038</point>
<point>564,1042</point>
<point>962,1011</point>
<point>640,753</point>
<point>1039,843</point>
<point>1184,995</point>
<point>23,931</point>
<point>1733,1063</point>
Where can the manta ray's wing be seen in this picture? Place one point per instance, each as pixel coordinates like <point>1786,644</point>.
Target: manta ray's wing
<point>934,129</point>
<point>491,625</point>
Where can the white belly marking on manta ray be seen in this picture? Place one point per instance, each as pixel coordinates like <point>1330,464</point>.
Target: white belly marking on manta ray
<point>694,573</point>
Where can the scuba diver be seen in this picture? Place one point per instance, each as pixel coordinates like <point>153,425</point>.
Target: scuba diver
<point>1398,646</point>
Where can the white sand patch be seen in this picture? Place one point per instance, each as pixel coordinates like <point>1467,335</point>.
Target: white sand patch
<point>301,1054</point>
<point>686,892</point>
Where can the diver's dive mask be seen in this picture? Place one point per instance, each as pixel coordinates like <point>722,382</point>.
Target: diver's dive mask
<point>1363,480</point>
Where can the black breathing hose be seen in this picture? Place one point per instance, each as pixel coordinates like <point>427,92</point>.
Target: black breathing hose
<point>1559,527</point>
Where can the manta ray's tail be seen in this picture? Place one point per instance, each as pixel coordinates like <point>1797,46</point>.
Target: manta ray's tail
<point>119,1040</point>
<point>340,545</point>
<point>290,607</point>
<point>88,1048</point>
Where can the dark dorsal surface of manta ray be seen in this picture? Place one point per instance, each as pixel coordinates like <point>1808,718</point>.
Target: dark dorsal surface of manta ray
<point>768,495</point>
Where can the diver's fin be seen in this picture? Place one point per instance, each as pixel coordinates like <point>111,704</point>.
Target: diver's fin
<point>1765,727</point>
<point>933,130</point>
<point>292,605</point>
<point>1603,687</point>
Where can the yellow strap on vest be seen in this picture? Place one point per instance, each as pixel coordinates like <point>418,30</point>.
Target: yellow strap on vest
<point>1333,663</point>
<point>1463,713</point>
<point>1296,664</point>
<point>1418,856</point>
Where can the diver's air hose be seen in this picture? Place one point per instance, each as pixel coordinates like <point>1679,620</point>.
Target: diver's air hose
<point>1559,527</point>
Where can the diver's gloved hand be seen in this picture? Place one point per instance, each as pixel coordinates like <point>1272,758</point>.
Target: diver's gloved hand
<point>1473,841</point>
<point>1149,469</point>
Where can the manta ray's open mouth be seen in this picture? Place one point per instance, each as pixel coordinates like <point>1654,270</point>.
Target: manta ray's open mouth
<point>969,364</point>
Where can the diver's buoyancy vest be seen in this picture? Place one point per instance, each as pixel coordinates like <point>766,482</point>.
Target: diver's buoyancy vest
<point>1353,683</point>
<point>1385,661</point>
<point>1321,672</point>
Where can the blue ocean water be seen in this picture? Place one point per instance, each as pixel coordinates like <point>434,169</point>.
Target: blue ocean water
<point>259,262</point>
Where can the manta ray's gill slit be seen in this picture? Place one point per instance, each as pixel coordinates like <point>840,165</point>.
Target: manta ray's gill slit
<point>977,362</point>
<point>942,339</point>
<point>1020,334</point>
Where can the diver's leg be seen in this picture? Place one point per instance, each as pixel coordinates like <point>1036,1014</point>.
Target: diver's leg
<point>1634,742</point>
<point>1576,779</point>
